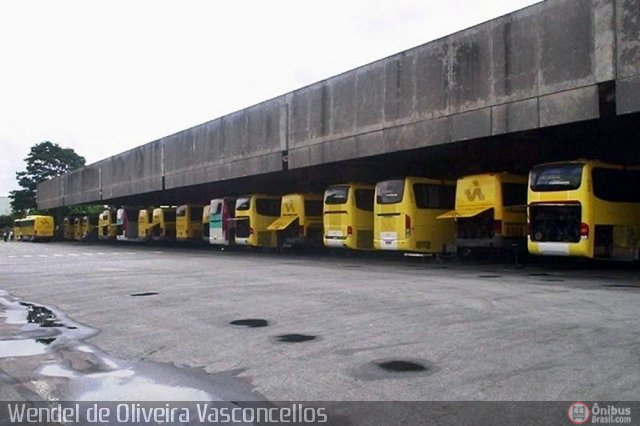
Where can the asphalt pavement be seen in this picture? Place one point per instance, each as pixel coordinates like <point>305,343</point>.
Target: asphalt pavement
<point>278,327</point>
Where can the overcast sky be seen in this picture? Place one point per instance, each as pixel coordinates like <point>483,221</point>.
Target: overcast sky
<point>102,77</point>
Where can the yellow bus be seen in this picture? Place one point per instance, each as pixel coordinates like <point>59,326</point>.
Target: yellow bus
<point>189,222</point>
<point>17,236</point>
<point>348,216</point>
<point>405,213</point>
<point>89,228</point>
<point>68,228</point>
<point>300,221</point>
<point>107,226</point>
<point>205,222</point>
<point>254,213</point>
<point>145,224</point>
<point>36,228</point>
<point>77,228</point>
<point>164,224</point>
<point>222,224</point>
<point>584,208</point>
<point>490,212</point>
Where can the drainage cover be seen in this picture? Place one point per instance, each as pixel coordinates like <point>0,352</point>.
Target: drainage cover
<point>148,293</point>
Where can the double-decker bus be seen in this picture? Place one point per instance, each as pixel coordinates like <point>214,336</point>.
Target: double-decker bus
<point>254,214</point>
<point>348,216</point>
<point>584,208</point>
<point>490,212</point>
<point>405,215</point>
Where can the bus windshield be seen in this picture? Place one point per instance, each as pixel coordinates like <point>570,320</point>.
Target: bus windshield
<point>181,211</point>
<point>336,194</point>
<point>243,203</point>
<point>556,177</point>
<point>390,191</point>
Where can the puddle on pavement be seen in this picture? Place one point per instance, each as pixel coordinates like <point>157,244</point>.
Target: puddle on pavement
<point>24,347</point>
<point>147,293</point>
<point>395,369</point>
<point>40,315</point>
<point>251,322</point>
<point>295,338</point>
<point>400,366</point>
<point>79,371</point>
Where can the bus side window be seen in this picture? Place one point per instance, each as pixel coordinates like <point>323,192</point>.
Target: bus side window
<point>434,196</point>
<point>268,207</point>
<point>616,185</point>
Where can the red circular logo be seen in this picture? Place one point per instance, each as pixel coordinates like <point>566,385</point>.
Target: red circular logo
<point>579,413</point>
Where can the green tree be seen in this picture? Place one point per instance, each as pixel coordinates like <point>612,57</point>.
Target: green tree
<point>45,161</point>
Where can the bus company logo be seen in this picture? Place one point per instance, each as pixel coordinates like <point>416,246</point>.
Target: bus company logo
<point>289,207</point>
<point>476,193</point>
<point>579,413</point>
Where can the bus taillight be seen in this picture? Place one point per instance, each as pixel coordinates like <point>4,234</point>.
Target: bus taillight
<point>407,225</point>
<point>301,230</point>
<point>584,231</point>
<point>349,230</point>
<point>250,231</point>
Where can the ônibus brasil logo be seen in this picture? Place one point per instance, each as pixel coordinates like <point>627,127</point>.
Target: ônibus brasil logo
<point>578,413</point>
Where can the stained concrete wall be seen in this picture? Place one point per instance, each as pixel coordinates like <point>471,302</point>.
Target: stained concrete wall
<point>244,143</point>
<point>534,68</point>
<point>82,185</point>
<point>133,172</point>
<point>542,66</point>
<point>628,56</point>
